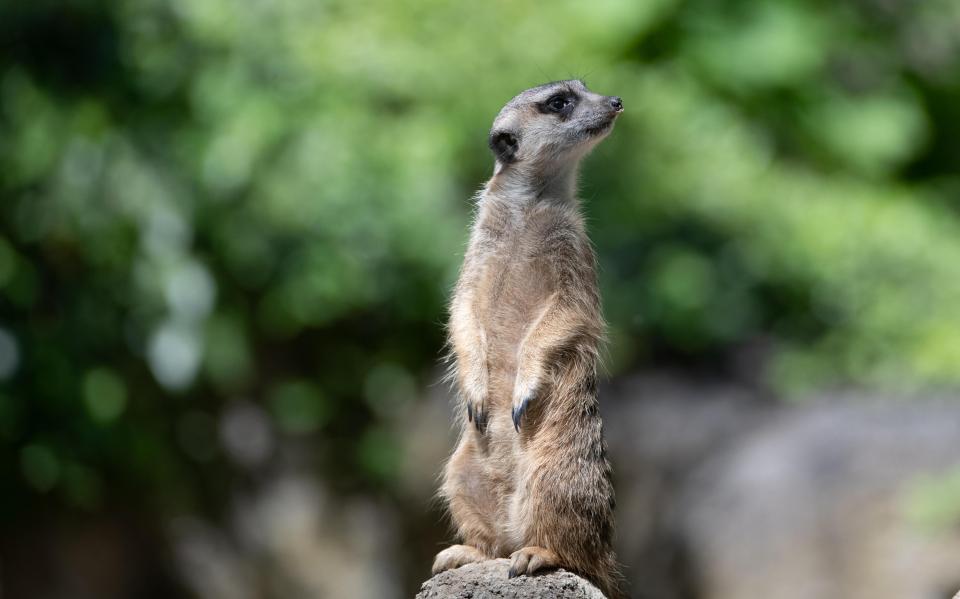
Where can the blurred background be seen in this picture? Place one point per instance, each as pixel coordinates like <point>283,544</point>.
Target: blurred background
<point>228,231</point>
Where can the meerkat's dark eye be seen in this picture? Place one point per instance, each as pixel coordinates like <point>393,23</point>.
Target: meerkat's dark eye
<point>559,103</point>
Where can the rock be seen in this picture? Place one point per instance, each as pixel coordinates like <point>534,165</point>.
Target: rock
<point>822,501</point>
<point>488,580</point>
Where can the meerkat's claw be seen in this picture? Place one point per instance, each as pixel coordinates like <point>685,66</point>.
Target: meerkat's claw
<point>529,560</point>
<point>479,416</point>
<point>519,411</point>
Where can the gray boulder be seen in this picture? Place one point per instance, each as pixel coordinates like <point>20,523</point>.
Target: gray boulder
<point>488,580</point>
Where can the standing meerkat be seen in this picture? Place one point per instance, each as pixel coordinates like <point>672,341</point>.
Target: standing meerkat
<point>529,478</point>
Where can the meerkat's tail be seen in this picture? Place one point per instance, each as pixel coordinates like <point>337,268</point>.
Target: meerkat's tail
<point>607,577</point>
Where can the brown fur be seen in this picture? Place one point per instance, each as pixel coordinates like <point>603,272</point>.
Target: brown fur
<point>529,477</point>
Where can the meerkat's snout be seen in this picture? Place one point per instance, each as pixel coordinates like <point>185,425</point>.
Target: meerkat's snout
<point>599,115</point>
<point>612,105</point>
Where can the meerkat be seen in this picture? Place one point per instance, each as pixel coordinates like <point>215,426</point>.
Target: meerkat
<point>529,478</point>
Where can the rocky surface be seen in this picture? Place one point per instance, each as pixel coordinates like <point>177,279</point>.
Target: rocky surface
<point>488,580</point>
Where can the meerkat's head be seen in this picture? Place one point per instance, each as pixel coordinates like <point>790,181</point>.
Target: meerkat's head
<point>552,125</point>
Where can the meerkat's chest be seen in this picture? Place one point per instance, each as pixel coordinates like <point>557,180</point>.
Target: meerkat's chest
<point>512,282</point>
<point>514,270</point>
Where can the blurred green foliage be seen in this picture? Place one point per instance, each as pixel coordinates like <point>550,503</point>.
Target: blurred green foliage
<point>206,203</point>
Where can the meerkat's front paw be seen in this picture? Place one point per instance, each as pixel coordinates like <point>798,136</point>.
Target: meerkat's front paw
<point>475,392</point>
<point>524,391</point>
<point>477,414</point>
<point>456,556</point>
<point>532,559</point>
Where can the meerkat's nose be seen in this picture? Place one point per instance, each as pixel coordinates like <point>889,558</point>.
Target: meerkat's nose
<point>616,103</point>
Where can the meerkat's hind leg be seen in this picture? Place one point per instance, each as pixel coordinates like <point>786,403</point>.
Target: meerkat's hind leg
<point>455,556</point>
<point>530,560</point>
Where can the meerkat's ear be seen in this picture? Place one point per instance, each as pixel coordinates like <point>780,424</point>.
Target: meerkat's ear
<point>504,145</point>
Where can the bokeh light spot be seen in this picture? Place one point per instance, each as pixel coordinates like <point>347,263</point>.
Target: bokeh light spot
<point>174,354</point>
<point>9,355</point>
<point>104,394</point>
<point>40,466</point>
<point>298,407</point>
